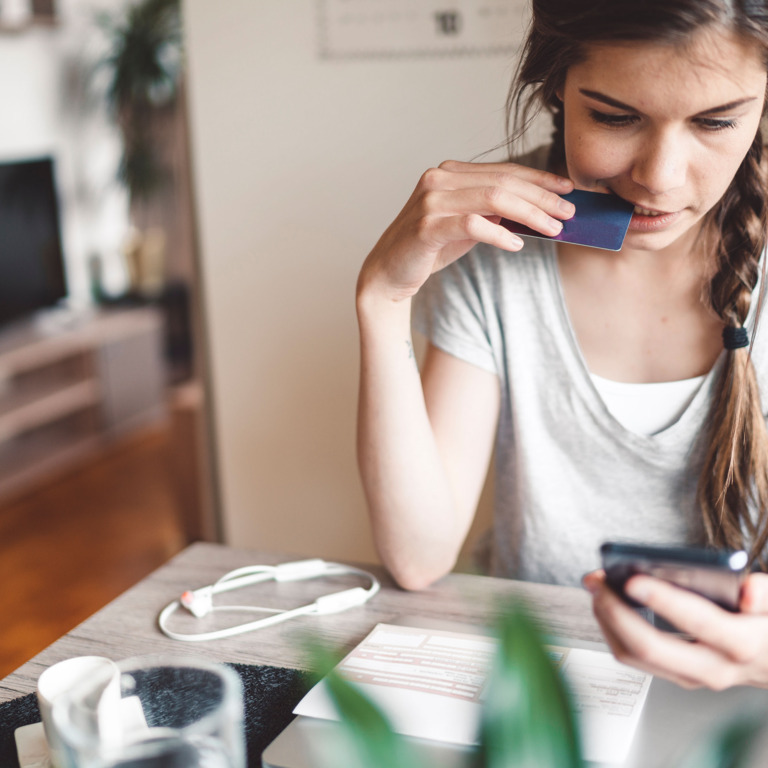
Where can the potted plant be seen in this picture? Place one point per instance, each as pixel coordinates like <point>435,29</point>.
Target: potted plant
<point>143,64</point>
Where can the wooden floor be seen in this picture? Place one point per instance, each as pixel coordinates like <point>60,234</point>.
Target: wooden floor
<point>69,548</point>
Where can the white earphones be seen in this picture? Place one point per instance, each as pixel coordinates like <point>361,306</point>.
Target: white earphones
<point>199,602</point>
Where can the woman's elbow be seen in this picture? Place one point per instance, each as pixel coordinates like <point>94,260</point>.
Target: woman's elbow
<point>415,577</point>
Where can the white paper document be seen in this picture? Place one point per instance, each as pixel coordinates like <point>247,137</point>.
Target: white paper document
<point>430,683</point>
<point>608,698</point>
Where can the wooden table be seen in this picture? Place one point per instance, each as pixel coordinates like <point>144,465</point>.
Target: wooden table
<point>672,718</point>
<point>128,625</point>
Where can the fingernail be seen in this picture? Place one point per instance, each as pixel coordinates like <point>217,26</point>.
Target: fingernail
<point>555,226</point>
<point>563,181</point>
<point>591,586</point>
<point>566,207</point>
<point>516,242</point>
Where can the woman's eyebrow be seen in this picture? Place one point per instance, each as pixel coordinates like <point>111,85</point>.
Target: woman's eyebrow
<point>729,106</point>
<point>597,96</point>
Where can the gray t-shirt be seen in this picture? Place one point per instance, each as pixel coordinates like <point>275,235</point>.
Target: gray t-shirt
<point>568,475</point>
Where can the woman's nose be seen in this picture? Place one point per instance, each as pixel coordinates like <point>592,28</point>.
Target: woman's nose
<point>661,165</point>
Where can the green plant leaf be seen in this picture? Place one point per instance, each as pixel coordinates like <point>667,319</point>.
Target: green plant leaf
<point>144,56</point>
<point>366,738</point>
<point>528,719</point>
<point>367,730</point>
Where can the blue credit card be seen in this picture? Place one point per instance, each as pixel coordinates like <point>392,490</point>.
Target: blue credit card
<point>601,221</point>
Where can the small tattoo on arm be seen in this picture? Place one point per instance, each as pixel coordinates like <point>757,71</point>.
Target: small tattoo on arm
<point>412,354</point>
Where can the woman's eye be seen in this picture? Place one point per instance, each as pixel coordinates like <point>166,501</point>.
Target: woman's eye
<point>616,121</point>
<point>715,124</point>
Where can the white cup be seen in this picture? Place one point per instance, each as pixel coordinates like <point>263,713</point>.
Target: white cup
<point>59,679</point>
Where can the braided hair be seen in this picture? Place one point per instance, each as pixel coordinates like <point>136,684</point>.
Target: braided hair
<point>734,478</point>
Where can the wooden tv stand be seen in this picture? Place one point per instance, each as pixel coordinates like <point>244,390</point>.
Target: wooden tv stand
<point>68,388</point>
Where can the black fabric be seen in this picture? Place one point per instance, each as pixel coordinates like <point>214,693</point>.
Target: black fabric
<point>271,693</point>
<point>14,714</point>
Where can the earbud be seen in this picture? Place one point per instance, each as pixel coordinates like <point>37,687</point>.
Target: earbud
<point>199,602</point>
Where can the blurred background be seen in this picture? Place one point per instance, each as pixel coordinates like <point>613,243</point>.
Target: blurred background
<point>187,191</point>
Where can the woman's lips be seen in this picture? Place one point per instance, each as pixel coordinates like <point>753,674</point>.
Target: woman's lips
<point>651,220</point>
<point>639,223</point>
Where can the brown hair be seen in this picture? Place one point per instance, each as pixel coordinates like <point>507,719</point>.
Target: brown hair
<point>733,485</point>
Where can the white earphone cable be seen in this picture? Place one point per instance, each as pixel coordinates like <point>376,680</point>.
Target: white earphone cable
<point>199,602</point>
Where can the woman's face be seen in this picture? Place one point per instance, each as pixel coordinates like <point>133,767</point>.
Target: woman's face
<point>663,127</point>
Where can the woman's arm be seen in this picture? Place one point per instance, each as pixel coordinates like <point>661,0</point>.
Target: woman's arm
<point>729,648</point>
<point>424,446</point>
<point>423,454</point>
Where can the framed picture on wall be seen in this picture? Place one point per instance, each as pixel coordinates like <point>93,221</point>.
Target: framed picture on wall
<point>402,28</point>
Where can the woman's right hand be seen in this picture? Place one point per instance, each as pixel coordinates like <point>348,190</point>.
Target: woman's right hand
<point>729,648</point>
<point>454,207</point>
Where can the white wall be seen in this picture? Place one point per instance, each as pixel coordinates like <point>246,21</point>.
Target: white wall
<point>49,108</point>
<point>300,163</point>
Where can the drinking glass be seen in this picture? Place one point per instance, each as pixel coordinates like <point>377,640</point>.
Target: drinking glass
<point>157,711</point>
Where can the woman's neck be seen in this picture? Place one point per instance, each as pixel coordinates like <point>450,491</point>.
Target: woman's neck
<point>640,316</point>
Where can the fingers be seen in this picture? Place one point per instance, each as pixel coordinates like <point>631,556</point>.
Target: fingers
<point>593,580</point>
<point>728,649</point>
<point>521,202</point>
<point>637,643</point>
<point>754,594</point>
<point>696,616</point>
<point>538,187</point>
<point>463,230</point>
<point>551,181</point>
<point>506,194</point>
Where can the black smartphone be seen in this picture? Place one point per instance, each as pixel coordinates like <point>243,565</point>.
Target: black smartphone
<point>716,574</point>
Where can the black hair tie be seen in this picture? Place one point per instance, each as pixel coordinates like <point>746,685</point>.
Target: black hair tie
<point>735,338</point>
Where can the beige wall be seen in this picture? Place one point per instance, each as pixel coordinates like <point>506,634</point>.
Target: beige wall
<point>299,165</point>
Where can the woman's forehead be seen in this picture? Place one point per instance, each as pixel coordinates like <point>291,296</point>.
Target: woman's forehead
<point>713,68</point>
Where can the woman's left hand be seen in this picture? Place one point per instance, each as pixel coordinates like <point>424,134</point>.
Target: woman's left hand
<point>728,648</point>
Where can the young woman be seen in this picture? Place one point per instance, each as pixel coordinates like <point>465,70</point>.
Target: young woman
<point>620,391</point>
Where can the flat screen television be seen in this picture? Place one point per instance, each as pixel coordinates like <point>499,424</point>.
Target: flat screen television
<point>32,275</point>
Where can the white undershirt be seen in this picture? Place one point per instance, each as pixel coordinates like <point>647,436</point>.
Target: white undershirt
<point>647,408</point>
